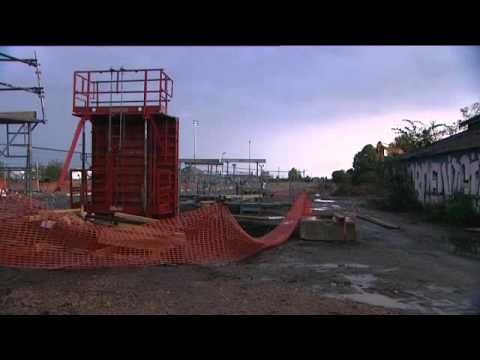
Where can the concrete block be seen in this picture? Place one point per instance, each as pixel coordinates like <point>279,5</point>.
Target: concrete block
<point>322,212</point>
<point>205,203</point>
<point>250,209</point>
<point>327,230</point>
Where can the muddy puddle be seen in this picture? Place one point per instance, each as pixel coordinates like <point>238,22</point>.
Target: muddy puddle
<point>364,292</point>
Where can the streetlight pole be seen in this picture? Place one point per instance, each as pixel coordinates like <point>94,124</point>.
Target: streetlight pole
<point>221,160</point>
<point>249,142</point>
<point>196,123</point>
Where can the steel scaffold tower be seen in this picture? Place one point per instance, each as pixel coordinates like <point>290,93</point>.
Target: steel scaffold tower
<point>20,125</point>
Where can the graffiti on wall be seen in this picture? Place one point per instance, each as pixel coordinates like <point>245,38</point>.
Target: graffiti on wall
<point>439,177</point>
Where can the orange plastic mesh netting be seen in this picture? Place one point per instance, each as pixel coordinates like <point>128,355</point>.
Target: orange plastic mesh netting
<point>33,237</point>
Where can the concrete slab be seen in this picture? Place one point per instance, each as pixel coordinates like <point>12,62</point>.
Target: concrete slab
<point>324,212</point>
<point>327,230</point>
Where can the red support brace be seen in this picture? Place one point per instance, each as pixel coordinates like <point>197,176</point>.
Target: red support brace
<point>68,160</point>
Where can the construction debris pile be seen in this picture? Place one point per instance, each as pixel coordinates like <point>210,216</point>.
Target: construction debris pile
<point>31,236</point>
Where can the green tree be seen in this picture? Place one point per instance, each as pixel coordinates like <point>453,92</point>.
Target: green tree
<point>417,135</point>
<point>51,171</point>
<point>365,165</point>
<point>294,174</point>
<point>470,111</point>
<point>339,176</point>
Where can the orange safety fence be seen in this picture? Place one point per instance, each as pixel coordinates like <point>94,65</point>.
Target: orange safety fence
<point>31,236</point>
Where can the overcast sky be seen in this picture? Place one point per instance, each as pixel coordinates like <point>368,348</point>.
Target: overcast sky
<point>307,107</point>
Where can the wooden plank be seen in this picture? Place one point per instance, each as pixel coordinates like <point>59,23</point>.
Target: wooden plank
<point>259,218</point>
<point>259,204</point>
<point>133,218</point>
<point>60,211</point>
<point>339,216</point>
<point>141,238</point>
<point>42,214</point>
<point>378,222</point>
<point>207,202</point>
<point>21,116</point>
<point>243,197</point>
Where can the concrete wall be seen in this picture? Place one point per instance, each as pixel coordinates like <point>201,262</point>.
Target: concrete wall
<point>437,177</point>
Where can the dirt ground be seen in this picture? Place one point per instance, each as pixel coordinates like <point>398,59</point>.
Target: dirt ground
<point>407,271</point>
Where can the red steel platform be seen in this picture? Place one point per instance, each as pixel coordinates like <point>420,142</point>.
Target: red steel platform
<point>134,142</point>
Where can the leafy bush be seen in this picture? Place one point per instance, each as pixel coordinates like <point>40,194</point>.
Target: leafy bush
<point>418,135</point>
<point>339,176</point>
<point>399,193</point>
<point>343,182</point>
<point>343,189</point>
<point>294,174</point>
<point>51,171</point>
<point>459,210</point>
<point>347,189</point>
<point>367,177</point>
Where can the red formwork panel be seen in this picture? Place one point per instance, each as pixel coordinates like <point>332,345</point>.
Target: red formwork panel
<point>123,178</point>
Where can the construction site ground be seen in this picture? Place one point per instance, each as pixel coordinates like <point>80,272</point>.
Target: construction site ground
<point>407,271</point>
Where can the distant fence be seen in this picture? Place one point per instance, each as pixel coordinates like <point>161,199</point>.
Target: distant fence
<point>203,184</point>
<point>196,181</point>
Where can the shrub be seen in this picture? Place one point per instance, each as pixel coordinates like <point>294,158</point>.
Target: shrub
<point>459,211</point>
<point>398,187</point>
<point>339,176</point>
